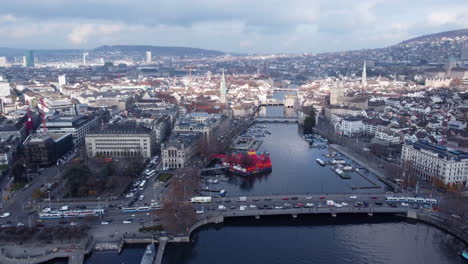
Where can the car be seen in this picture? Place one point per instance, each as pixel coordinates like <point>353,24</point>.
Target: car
<point>278,207</point>
<point>353,197</point>
<point>5,215</point>
<point>337,205</point>
<point>404,204</point>
<point>255,199</point>
<point>199,212</point>
<point>378,203</point>
<point>129,195</point>
<point>300,205</point>
<point>285,198</point>
<point>393,205</point>
<point>365,204</point>
<point>128,221</point>
<point>141,197</point>
<point>344,204</point>
<point>104,223</point>
<point>232,207</point>
<point>287,205</point>
<point>455,216</point>
<point>73,223</point>
<point>308,197</point>
<point>294,198</point>
<point>267,199</point>
<point>309,205</point>
<point>242,207</point>
<point>374,197</point>
<point>63,222</point>
<point>320,205</point>
<point>20,224</point>
<point>322,197</point>
<point>253,206</point>
<point>358,204</point>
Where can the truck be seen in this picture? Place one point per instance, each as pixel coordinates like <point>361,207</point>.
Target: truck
<point>201,199</point>
<point>242,199</point>
<point>330,203</point>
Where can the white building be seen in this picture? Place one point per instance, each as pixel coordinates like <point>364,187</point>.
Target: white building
<point>351,126</point>
<point>4,89</point>
<point>121,141</point>
<point>62,80</point>
<point>148,57</point>
<point>431,162</point>
<point>3,62</point>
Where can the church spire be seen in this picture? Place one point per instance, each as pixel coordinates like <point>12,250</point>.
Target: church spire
<point>223,88</point>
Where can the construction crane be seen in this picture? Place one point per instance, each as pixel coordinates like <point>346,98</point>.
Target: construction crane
<point>44,127</point>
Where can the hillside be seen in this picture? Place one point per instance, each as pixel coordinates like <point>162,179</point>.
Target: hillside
<point>158,50</point>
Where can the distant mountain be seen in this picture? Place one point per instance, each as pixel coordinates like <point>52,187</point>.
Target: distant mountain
<point>113,52</point>
<point>159,50</point>
<point>453,34</point>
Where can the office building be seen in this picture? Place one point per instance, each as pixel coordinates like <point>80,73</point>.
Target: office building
<point>78,126</point>
<point>29,58</point>
<point>180,149</point>
<point>148,57</point>
<point>431,162</point>
<point>46,149</point>
<point>120,141</point>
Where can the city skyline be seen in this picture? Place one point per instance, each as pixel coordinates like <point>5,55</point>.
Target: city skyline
<point>231,26</point>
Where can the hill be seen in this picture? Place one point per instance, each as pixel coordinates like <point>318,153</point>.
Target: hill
<point>159,50</point>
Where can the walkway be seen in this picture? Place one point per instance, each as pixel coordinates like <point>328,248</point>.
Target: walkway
<point>161,247</point>
<point>380,175</point>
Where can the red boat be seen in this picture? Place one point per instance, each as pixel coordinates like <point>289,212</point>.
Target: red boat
<point>247,164</point>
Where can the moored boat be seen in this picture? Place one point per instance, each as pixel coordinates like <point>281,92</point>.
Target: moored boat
<point>321,162</point>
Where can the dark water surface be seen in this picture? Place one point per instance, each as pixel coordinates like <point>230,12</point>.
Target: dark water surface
<point>307,239</point>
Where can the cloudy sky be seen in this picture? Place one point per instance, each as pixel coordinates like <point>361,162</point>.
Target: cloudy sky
<point>250,26</point>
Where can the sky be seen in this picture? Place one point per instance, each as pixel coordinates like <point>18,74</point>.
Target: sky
<point>246,26</point>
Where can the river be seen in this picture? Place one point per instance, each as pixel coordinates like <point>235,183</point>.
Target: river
<point>307,239</point>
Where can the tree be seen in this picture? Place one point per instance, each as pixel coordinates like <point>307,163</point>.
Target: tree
<point>309,121</point>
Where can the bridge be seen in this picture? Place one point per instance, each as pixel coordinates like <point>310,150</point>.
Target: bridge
<point>272,102</point>
<point>299,204</point>
<point>284,90</point>
<point>276,119</point>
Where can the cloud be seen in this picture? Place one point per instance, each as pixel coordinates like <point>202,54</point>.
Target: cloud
<point>263,26</point>
<point>80,34</point>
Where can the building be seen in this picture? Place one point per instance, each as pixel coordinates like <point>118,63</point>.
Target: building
<point>78,126</point>
<point>29,58</point>
<point>161,125</point>
<point>212,126</point>
<point>432,162</point>
<point>4,89</point>
<point>289,100</point>
<point>351,126</point>
<point>180,149</point>
<point>62,80</point>
<point>337,93</point>
<point>3,62</point>
<point>121,140</point>
<point>45,149</point>
<point>223,88</point>
<point>148,57</point>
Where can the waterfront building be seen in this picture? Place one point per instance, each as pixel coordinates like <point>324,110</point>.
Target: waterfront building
<point>351,126</point>
<point>180,149</point>
<point>121,140</point>
<point>432,162</point>
<point>46,149</point>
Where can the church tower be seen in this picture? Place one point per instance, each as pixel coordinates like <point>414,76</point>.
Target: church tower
<point>364,78</point>
<point>223,88</point>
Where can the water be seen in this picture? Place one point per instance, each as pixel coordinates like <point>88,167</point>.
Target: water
<point>307,239</point>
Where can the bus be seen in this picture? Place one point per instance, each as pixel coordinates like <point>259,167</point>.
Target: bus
<point>142,185</point>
